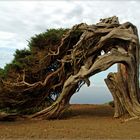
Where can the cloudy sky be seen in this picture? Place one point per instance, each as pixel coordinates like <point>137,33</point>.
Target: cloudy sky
<point>19,20</point>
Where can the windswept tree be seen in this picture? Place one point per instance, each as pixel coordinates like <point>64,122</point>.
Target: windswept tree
<point>60,61</point>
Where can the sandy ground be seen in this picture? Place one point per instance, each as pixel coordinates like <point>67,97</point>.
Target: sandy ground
<point>80,122</point>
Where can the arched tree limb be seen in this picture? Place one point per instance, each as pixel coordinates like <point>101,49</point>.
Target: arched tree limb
<point>79,56</point>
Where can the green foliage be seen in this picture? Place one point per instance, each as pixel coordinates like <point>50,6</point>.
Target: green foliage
<point>20,59</point>
<point>24,58</point>
<point>17,64</point>
<point>43,40</point>
<point>111,103</point>
<point>7,68</point>
<point>2,73</point>
<point>10,67</point>
<point>21,54</point>
<point>30,60</point>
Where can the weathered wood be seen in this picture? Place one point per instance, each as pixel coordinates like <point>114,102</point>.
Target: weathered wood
<point>120,44</point>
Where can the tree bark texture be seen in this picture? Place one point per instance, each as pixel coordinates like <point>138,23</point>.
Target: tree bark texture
<point>98,48</point>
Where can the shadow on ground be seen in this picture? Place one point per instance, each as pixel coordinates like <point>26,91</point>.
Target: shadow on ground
<point>89,111</point>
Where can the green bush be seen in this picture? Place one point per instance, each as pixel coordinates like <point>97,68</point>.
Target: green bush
<point>111,103</point>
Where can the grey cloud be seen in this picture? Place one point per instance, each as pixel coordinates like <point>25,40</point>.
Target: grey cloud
<point>76,12</point>
<point>22,21</point>
<point>28,18</point>
<point>125,10</point>
<point>6,56</point>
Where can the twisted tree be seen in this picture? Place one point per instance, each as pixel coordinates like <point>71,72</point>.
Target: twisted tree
<point>83,51</point>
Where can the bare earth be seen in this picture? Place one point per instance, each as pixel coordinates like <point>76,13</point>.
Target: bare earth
<point>80,122</point>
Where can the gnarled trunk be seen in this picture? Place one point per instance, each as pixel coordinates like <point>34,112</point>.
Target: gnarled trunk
<point>83,59</point>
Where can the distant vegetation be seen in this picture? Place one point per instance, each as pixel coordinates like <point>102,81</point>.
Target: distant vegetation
<point>111,103</point>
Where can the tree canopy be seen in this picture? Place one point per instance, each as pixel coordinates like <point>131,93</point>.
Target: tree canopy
<point>41,79</point>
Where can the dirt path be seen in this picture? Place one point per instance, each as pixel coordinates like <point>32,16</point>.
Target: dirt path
<point>80,122</point>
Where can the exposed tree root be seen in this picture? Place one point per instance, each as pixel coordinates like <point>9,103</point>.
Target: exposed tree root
<point>94,49</point>
<point>132,118</point>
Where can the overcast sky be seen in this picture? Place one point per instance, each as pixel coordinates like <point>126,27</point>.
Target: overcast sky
<point>19,20</point>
